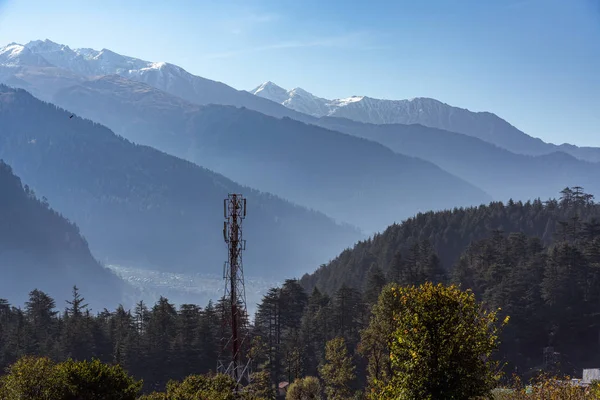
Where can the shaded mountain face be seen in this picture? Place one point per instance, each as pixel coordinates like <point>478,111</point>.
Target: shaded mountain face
<point>140,207</point>
<point>424,111</point>
<point>497,171</point>
<point>40,249</point>
<point>351,179</point>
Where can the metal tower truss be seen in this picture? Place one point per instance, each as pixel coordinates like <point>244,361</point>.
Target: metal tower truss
<point>233,360</point>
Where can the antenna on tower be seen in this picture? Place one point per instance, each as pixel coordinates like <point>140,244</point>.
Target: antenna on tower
<point>233,360</point>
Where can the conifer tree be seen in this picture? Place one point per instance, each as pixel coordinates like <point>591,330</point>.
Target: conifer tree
<point>338,372</point>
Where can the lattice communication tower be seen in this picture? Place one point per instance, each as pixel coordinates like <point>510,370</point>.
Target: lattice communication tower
<point>234,360</point>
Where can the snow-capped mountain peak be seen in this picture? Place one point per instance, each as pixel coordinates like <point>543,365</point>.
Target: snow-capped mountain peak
<point>45,46</point>
<point>12,50</point>
<point>359,108</point>
<point>271,91</point>
<point>15,54</point>
<point>84,61</point>
<point>299,92</point>
<point>296,99</point>
<point>268,86</point>
<point>72,66</point>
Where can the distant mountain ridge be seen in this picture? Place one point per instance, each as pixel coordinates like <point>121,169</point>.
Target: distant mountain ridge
<point>86,63</point>
<point>499,172</point>
<point>140,207</point>
<point>425,111</point>
<point>44,67</point>
<point>338,174</point>
<point>90,61</point>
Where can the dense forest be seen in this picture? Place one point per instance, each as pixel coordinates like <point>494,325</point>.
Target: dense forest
<point>450,232</point>
<point>548,283</point>
<point>38,245</point>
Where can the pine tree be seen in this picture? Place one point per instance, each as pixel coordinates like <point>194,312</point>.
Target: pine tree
<point>40,313</point>
<point>77,334</point>
<point>337,373</point>
<point>374,284</point>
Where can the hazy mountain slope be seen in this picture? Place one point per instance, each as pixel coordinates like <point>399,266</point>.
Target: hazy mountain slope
<point>140,207</point>
<point>499,172</point>
<point>425,111</point>
<point>39,249</point>
<point>168,77</point>
<point>348,178</point>
<point>42,82</point>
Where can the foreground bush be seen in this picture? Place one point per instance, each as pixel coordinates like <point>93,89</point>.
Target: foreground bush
<point>431,342</point>
<point>308,388</point>
<point>215,387</point>
<point>33,378</point>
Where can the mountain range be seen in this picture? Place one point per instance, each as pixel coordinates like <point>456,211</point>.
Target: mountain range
<point>42,67</point>
<point>361,161</point>
<point>156,104</point>
<point>499,172</point>
<point>424,111</point>
<point>140,207</point>
<point>335,173</point>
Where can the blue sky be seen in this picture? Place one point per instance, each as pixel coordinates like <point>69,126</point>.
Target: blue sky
<point>535,63</point>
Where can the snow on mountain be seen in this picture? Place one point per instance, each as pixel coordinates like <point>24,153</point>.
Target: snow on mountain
<point>296,99</point>
<point>304,102</point>
<point>87,63</point>
<point>425,111</point>
<point>357,108</point>
<point>90,62</point>
<point>23,68</point>
<point>271,91</point>
<point>45,67</point>
<point>15,55</point>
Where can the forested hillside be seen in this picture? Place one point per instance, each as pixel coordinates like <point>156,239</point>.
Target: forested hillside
<point>548,289</point>
<point>140,207</point>
<point>39,247</point>
<point>538,262</point>
<point>450,232</point>
<point>338,174</point>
